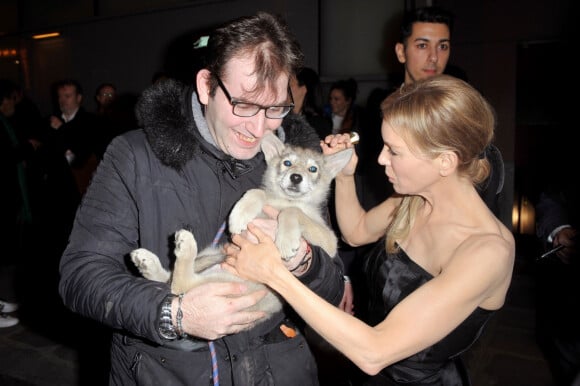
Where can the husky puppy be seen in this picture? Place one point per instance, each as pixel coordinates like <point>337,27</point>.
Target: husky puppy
<point>296,182</point>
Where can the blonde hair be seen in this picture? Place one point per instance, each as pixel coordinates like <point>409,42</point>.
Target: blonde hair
<point>436,115</point>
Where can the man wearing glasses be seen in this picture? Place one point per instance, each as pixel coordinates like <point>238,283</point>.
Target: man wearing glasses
<point>197,153</point>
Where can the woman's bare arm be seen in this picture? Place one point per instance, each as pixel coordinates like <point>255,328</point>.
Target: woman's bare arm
<point>357,226</point>
<point>479,274</point>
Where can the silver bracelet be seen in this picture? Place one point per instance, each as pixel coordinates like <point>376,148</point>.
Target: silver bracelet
<point>305,259</point>
<point>179,318</point>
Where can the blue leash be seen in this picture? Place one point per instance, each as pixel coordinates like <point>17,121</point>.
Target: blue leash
<point>212,352</point>
<point>214,365</point>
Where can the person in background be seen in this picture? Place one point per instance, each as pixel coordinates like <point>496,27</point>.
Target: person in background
<point>444,263</point>
<point>557,218</point>
<point>347,116</point>
<point>30,127</point>
<point>16,206</point>
<point>558,273</point>
<point>27,118</point>
<point>108,114</point>
<point>40,197</point>
<point>105,96</point>
<point>306,91</point>
<point>345,113</point>
<point>423,48</point>
<point>197,153</point>
<point>74,132</point>
<point>424,43</point>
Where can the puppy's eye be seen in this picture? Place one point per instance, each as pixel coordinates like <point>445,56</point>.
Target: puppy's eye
<point>313,169</point>
<point>287,163</point>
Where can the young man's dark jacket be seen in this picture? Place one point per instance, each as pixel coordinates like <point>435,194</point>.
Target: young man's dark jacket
<point>151,183</point>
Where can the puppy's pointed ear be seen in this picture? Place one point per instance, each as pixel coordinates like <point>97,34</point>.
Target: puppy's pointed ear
<point>337,161</point>
<point>271,146</point>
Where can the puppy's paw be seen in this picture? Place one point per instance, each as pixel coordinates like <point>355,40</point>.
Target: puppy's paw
<point>185,244</point>
<point>288,234</point>
<point>287,241</point>
<point>287,245</point>
<point>245,210</point>
<point>149,265</point>
<point>240,217</point>
<point>238,224</point>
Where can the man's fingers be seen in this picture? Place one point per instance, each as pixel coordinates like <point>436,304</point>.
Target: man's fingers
<point>248,300</point>
<point>246,320</point>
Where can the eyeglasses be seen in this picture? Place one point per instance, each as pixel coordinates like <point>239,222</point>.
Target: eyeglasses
<point>107,94</point>
<point>246,109</point>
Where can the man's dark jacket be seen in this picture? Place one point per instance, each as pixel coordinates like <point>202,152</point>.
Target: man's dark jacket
<point>151,183</point>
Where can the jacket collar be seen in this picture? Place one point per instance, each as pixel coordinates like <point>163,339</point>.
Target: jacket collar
<point>170,115</point>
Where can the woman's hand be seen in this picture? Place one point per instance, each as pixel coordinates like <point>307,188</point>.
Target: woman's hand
<point>254,261</point>
<point>337,142</point>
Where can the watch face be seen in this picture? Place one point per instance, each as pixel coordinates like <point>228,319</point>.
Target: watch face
<point>167,333</point>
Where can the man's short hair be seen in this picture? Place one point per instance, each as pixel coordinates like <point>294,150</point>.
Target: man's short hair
<point>70,82</point>
<point>424,15</point>
<point>266,36</point>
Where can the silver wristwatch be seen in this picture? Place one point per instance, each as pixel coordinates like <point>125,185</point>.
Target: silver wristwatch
<point>166,328</point>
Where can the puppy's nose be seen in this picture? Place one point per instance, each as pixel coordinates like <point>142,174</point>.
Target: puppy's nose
<point>296,178</point>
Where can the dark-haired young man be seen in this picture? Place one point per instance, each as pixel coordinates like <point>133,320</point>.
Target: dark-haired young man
<point>424,43</point>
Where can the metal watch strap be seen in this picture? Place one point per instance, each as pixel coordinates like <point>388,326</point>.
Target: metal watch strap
<point>166,328</point>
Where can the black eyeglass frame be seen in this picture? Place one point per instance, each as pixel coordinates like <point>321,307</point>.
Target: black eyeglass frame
<point>235,102</point>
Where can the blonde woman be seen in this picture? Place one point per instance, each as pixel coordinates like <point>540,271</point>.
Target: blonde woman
<point>447,261</point>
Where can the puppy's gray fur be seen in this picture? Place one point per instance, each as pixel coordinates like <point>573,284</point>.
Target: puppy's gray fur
<point>296,182</point>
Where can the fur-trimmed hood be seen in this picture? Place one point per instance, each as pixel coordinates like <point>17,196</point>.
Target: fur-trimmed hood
<point>165,113</point>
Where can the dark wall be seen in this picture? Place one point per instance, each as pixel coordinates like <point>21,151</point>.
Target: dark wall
<point>487,44</point>
<point>128,49</point>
